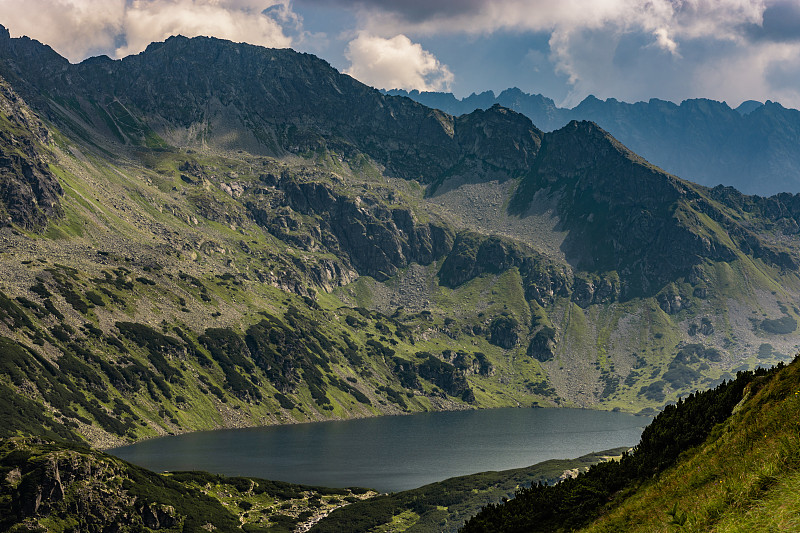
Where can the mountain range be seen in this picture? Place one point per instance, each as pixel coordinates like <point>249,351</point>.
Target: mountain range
<point>753,148</point>
<point>211,234</point>
<point>203,195</point>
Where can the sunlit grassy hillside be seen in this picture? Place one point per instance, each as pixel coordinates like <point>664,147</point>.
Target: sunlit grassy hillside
<point>727,459</point>
<point>744,477</point>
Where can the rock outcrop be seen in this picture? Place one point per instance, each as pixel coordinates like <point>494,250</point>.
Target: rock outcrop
<point>542,345</point>
<point>447,377</point>
<point>369,237</point>
<point>473,255</point>
<point>504,332</point>
<point>29,191</point>
<point>596,289</point>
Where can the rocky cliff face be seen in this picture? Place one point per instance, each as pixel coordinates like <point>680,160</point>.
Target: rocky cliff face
<point>375,239</point>
<point>367,236</point>
<point>288,102</point>
<point>627,216</point>
<point>473,255</point>
<point>29,192</point>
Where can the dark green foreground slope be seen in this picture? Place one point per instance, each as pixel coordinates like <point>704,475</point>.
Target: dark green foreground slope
<point>46,486</point>
<point>446,505</point>
<point>716,461</point>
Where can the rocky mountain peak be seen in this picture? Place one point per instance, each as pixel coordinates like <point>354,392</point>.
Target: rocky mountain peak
<point>282,100</point>
<point>583,147</point>
<point>625,215</point>
<point>499,136</point>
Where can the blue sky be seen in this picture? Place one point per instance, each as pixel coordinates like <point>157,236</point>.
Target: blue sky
<point>631,50</point>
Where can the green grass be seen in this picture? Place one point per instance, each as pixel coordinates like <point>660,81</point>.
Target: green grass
<point>742,478</point>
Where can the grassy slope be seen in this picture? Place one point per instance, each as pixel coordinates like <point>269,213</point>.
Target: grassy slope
<point>743,478</point>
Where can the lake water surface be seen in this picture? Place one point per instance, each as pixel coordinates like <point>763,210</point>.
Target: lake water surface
<point>392,453</point>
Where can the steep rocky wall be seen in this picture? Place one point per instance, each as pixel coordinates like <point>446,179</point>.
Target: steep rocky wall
<point>29,191</point>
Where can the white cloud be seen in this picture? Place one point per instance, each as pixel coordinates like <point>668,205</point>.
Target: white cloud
<point>74,28</point>
<point>690,17</point>
<point>155,20</point>
<point>396,63</point>
<point>665,42</point>
<point>630,49</point>
<point>769,71</point>
<point>79,28</point>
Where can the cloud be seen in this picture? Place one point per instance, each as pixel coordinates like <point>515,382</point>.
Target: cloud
<point>694,17</point>
<point>768,71</point>
<point>413,11</point>
<point>628,49</point>
<point>80,28</point>
<point>155,20</point>
<point>664,41</point>
<point>396,63</point>
<point>74,28</point>
<point>780,23</point>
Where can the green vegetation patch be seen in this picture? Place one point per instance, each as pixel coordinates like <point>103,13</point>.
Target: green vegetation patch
<point>779,326</point>
<point>575,502</point>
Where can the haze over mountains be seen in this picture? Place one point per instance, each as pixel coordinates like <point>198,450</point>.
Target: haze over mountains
<point>753,147</point>
<point>211,234</point>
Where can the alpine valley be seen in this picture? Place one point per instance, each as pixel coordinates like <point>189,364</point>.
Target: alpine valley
<point>215,235</point>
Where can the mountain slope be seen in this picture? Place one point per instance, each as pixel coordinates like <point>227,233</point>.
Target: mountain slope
<point>49,486</point>
<point>752,148</point>
<point>271,102</point>
<point>722,460</point>
<point>385,258</point>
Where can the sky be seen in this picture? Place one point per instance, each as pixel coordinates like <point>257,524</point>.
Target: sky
<point>631,50</point>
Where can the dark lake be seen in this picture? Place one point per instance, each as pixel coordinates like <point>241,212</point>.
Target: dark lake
<point>392,453</point>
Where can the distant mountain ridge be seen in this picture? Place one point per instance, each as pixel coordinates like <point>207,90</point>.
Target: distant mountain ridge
<point>753,147</point>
